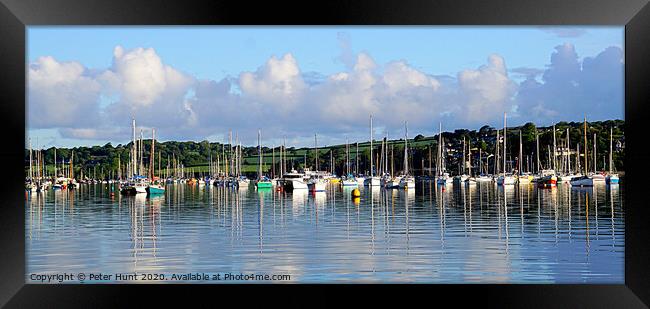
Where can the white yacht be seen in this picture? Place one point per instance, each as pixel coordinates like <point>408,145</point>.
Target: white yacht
<point>407,182</point>
<point>294,181</point>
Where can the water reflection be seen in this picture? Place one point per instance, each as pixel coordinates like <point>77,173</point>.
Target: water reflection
<point>479,233</point>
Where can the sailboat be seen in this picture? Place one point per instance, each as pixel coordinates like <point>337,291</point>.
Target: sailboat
<point>263,182</point>
<point>155,187</point>
<point>612,178</point>
<point>462,177</point>
<point>372,180</point>
<point>522,179</point>
<point>242,181</point>
<point>471,180</point>
<point>443,177</point>
<point>393,182</point>
<point>349,180</point>
<point>482,177</point>
<point>548,177</point>
<point>360,178</point>
<point>316,182</point>
<point>407,181</point>
<point>505,179</point>
<point>137,183</point>
<point>568,175</point>
<point>586,180</point>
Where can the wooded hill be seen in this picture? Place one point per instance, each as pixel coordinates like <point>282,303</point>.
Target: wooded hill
<point>102,161</point>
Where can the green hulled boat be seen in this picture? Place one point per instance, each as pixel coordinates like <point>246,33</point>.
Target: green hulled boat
<point>264,183</point>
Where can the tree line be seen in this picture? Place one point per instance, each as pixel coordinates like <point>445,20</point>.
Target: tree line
<point>102,161</point>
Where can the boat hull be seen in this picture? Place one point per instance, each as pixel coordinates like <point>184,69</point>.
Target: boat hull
<point>294,184</point>
<point>612,179</point>
<point>506,180</point>
<point>264,184</point>
<point>407,183</point>
<point>155,189</point>
<point>372,182</point>
<point>316,186</point>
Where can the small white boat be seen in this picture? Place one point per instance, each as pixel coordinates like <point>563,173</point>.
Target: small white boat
<point>349,182</point>
<point>393,183</point>
<point>316,186</point>
<point>505,180</point>
<point>567,178</point>
<point>242,182</point>
<point>407,182</point>
<point>483,178</point>
<point>373,181</point>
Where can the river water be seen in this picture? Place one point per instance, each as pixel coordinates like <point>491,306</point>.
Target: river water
<point>457,234</point>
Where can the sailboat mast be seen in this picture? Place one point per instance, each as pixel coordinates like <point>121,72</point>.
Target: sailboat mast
<point>554,151</point>
<point>585,135</point>
<point>152,156</point>
<point>72,164</point>
<point>594,154</point>
<point>347,158</point>
<point>469,156</point>
<point>356,160</point>
<point>259,152</point>
<point>55,174</point>
<point>497,169</point>
<point>141,151</point>
<point>462,169</point>
<point>406,154</point>
<point>611,133</point>
<point>504,143</point>
<point>31,174</point>
<point>392,160</point>
<point>521,157</point>
<point>371,158</point>
<point>429,160</point>
<point>133,151</point>
<point>537,144</point>
<point>439,162</point>
<point>568,147</point>
<point>316,150</point>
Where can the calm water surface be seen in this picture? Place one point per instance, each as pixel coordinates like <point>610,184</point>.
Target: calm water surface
<point>478,234</point>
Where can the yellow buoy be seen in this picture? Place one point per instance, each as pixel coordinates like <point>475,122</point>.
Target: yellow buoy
<point>356,193</point>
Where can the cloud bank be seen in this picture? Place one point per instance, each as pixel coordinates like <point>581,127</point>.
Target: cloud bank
<point>97,104</point>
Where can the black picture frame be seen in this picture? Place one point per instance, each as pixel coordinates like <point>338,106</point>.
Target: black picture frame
<point>16,15</point>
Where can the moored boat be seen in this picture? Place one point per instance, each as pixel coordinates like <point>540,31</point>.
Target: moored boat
<point>155,188</point>
<point>407,182</point>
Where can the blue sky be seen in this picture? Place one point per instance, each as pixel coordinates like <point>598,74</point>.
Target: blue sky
<point>420,74</point>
